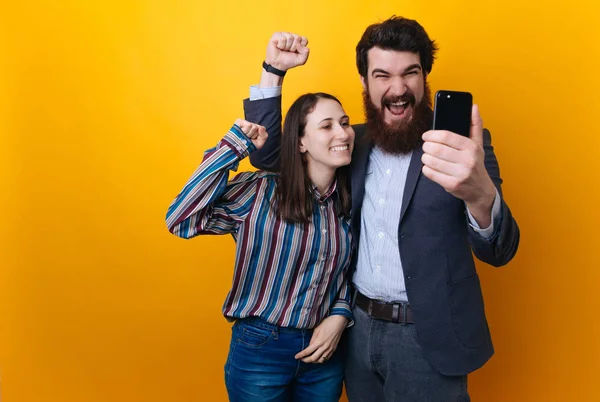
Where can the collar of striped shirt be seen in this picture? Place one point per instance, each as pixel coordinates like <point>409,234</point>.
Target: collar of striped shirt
<point>332,189</point>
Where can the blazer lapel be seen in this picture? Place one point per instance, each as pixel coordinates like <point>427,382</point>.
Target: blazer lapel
<point>414,171</point>
<point>360,161</point>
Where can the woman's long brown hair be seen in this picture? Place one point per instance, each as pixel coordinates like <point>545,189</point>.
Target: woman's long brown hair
<point>294,191</point>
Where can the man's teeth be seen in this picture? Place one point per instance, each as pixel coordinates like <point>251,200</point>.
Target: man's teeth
<point>340,148</point>
<point>399,103</point>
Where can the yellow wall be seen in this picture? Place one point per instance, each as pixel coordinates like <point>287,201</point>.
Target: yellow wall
<point>107,106</point>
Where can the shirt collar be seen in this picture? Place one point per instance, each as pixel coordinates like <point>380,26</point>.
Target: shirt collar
<point>332,189</point>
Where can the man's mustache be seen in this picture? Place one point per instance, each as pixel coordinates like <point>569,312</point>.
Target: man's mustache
<point>408,97</point>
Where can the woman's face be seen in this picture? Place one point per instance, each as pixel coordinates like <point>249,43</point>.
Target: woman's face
<point>328,138</point>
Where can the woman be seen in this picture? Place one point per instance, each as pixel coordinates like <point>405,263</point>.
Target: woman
<point>290,295</point>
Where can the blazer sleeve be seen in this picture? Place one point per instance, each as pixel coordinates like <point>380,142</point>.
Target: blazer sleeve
<point>503,245</point>
<point>267,113</point>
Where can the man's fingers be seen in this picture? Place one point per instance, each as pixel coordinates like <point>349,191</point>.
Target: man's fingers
<point>280,40</point>
<point>442,166</point>
<point>449,183</point>
<point>476,126</point>
<point>296,43</point>
<point>447,138</point>
<point>304,51</point>
<point>441,151</point>
<point>289,39</point>
<point>289,42</point>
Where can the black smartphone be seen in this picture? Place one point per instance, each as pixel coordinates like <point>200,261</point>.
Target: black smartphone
<point>452,112</point>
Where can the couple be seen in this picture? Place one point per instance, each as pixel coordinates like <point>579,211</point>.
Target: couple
<point>372,236</point>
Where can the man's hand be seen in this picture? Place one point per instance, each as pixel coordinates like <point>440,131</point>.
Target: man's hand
<point>255,133</point>
<point>457,164</point>
<point>287,50</point>
<point>324,340</point>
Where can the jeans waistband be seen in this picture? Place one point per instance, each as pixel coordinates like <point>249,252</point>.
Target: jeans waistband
<point>261,323</point>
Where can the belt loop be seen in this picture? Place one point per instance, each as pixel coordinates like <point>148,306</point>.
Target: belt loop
<point>370,309</point>
<point>395,313</point>
<point>404,312</point>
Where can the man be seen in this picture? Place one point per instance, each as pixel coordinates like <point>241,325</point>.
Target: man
<point>422,201</point>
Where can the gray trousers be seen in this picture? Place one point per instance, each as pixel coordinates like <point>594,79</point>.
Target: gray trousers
<point>385,363</point>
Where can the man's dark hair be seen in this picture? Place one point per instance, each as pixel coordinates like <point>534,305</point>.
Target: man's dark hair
<point>396,33</point>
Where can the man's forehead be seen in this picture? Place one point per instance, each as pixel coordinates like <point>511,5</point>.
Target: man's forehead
<point>391,59</point>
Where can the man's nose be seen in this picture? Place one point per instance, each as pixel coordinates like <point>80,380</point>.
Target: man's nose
<point>397,87</point>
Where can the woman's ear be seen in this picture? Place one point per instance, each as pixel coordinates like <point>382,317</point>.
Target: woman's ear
<point>301,146</point>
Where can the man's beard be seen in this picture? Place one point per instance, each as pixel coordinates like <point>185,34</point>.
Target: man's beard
<point>403,136</point>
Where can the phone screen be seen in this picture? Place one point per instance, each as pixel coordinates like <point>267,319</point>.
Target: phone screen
<point>452,112</point>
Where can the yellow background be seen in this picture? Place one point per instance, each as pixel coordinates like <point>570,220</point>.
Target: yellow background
<point>107,106</point>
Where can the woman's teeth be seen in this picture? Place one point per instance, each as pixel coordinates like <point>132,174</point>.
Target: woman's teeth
<point>339,148</point>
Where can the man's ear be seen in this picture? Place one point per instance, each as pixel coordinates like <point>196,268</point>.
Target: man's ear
<point>363,81</point>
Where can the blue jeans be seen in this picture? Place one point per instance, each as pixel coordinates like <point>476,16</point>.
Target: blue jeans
<point>385,363</point>
<point>261,366</point>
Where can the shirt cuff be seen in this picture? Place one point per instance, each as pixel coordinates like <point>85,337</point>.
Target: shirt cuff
<point>238,142</point>
<point>488,232</point>
<point>341,307</point>
<point>257,93</point>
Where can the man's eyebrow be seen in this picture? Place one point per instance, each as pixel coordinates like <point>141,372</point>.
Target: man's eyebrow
<point>379,70</point>
<point>412,67</point>
<point>406,70</point>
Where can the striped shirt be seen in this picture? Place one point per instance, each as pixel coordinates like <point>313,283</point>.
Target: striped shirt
<point>289,274</point>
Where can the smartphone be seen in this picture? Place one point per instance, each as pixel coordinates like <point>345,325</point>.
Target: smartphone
<point>452,112</point>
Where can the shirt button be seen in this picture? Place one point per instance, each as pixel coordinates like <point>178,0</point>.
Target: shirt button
<point>378,268</point>
<point>324,231</point>
<point>381,201</point>
<point>381,235</point>
<point>388,172</point>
